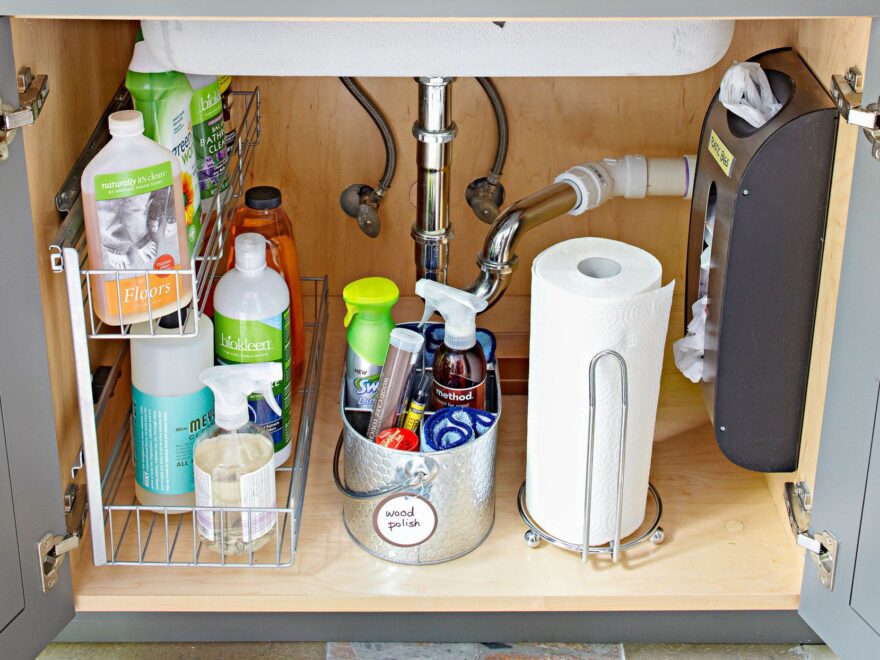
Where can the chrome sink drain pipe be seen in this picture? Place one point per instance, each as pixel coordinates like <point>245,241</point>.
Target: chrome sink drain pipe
<point>579,189</point>
<point>434,131</point>
<point>498,259</point>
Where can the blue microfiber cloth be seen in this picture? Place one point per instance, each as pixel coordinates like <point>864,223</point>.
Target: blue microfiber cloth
<point>433,333</point>
<point>454,426</point>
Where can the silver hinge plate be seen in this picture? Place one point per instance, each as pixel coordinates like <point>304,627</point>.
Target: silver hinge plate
<point>32,93</point>
<point>822,546</point>
<point>52,549</point>
<point>846,90</point>
<point>6,137</point>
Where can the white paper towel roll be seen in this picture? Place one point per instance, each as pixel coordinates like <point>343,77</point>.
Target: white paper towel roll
<point>589,295</point>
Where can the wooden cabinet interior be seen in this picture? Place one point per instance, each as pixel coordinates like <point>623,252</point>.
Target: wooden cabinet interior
<point>315,142</point>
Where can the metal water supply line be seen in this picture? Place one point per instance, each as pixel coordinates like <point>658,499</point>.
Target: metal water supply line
<point>434,131</point>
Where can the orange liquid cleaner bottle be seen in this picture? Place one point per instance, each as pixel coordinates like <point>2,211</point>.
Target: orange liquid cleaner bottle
<point>262,214</point>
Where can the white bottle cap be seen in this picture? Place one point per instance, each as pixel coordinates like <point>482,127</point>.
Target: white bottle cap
<point>250,252</point>
<point>126,123</point>
<point>408,341</point>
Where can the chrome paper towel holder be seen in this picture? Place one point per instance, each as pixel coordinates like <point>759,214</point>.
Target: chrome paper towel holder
<point>535,535</point>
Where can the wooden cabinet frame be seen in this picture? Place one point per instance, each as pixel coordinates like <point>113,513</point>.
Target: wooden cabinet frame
<point>336,594</point>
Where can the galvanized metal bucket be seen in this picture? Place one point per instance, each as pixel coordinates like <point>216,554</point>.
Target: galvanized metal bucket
<point>453,490</point>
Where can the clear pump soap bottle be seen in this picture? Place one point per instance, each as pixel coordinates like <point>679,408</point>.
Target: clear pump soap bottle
<point>234,461</point>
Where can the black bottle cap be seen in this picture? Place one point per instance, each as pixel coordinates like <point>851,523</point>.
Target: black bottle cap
<point>172,321</point>
<point>262,198</point>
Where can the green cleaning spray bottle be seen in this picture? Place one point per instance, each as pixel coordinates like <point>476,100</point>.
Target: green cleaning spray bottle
<point>368,304</point>
<point>163,97</point>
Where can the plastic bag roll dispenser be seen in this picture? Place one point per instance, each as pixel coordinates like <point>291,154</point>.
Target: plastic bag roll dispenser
<point>764,192</point>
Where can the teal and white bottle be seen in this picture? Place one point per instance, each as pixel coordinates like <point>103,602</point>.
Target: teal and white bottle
<point>170,406</point>
<point>252,324</point>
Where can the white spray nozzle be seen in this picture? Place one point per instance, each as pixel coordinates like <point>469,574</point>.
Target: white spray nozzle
<point>233,383</point>
<point>458,308</point>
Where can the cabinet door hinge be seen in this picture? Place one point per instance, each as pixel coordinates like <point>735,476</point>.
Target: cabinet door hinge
<point>846,90</point>
<point>822,546</point>
<point>52,548</point>
<point>32,93</point>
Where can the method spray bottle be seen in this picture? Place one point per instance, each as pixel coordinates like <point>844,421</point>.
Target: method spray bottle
<point>368,304</point>
<point>459,367</point>
<point>233,460</point>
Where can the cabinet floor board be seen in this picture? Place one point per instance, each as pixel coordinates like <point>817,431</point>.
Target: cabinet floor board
<point>725,548</point>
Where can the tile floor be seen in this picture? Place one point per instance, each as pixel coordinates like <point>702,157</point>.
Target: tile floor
<point>395,651</point>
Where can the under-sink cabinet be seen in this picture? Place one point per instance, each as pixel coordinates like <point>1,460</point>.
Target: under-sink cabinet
<point>732,567</point>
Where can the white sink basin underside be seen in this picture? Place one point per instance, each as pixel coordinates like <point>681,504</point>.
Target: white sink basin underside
<point>454,48</point>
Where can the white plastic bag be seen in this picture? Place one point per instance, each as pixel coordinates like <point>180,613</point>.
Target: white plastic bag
<point>688,350</point>
<point>745,91</point>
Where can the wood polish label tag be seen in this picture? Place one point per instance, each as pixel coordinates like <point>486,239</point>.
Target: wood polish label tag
<point>405,520</point>
<point>722,155</point>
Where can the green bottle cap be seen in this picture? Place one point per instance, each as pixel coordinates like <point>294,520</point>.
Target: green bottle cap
<point>369,294</point>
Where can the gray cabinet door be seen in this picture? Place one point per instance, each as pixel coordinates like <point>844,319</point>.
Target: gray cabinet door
<point>846,496</point>
<point>30,489</point>
<point>12,602</point>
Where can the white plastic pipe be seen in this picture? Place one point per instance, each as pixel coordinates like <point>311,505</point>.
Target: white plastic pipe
<point>666,178</point>
<point>632,177</point>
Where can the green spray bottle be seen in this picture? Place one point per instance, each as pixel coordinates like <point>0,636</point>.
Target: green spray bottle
<point>163,97</point>
<point>368,304</point>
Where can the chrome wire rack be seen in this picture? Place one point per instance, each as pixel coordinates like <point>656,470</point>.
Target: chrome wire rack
<point>135,535</point>
<point>68,251</point>
<point>123,532</point>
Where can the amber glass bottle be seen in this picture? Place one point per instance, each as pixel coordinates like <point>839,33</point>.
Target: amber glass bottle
<point>262,214</point>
